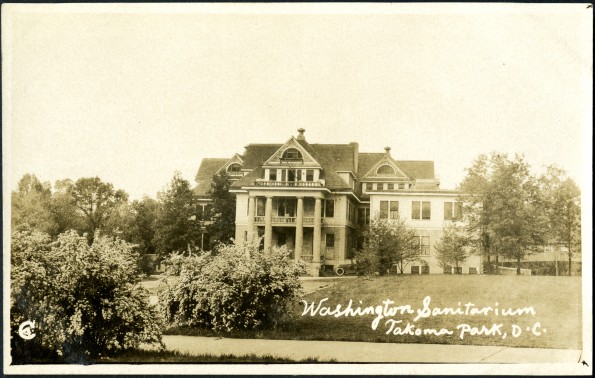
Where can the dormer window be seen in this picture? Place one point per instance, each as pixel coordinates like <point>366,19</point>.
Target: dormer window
<point>234,169</point>
<point>385,170</point>
<point>292,154</point>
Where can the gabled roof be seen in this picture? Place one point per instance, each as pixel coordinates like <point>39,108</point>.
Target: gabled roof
<point>339,156</point>
<point>256,154</point>
<point>332,158</point>
<point>415,169</point>
<point>366,161</point>
<point>206,171</point>
<point>419,169</point>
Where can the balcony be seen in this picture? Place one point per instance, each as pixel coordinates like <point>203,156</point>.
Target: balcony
<point>290,184</point>
<point>283,221</point>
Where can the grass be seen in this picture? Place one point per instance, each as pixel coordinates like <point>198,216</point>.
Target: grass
<point>556,301</point>
<point>142,356</point>
<point>152,356</point>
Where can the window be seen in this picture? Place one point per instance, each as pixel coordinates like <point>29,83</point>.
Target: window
<point>425,245</point>
<point>459,270</point>
<point>425,210</point>
<point>415,269</point>
<point>260,206</point>
<point>234,168</point>
<point>273,175</point>
<point>472,270</point>
<point>292,154</point>
<point>391,186</point>
<point>330,246</point>
<point>401,186</point>
<point>309,175</point>
<point>394,209</point>
<point>384,209</point>
<point>425,269</point>
<point>453,210</point>
<point>286,207</point>
<point>415,210</point>
<point>330,240</point>
<point>385,170</point>
<point>447,269</point>
<point>351,212</point>
<point>291,175</point>
<point>363,216</point>
<point>329,208</point>
<point>368,186</point>
<point>420,210</point>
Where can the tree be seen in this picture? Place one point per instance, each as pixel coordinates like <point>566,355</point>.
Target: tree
<point>96,200</point>
<point>63,210</point>
<point>503,206</point>
<point>391,243</point>
<point>145,217</point>
<point>223,211</point>
<point>177,222</point>
<point>477,204</point>
<point>31,204</point>
<point>561,199</point>
<point>452,250</point>
<point>84,299</point>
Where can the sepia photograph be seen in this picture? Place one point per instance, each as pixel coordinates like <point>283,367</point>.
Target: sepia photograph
<point>306,188</point>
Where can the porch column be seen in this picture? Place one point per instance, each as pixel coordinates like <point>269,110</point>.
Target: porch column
<point>251,214</point>
<point>299,228</point>
<point>268,225</point>
<point>317,232</point>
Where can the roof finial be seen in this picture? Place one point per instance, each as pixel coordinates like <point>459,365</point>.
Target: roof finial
<point>387,151</point>
<point>301,134</point>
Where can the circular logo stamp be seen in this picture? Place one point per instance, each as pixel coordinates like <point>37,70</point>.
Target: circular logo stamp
<point>26,330</point>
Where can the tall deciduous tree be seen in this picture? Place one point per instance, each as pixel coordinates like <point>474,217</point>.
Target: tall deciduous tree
<point>65,215</point>
<point>223,211</point>
<point>31,204</point>
<point>504,206</point>
<point>391,243</point>
<point>452,249</point>
<point>177,225</point>
<point>562,202</point>
<point>96,200</point>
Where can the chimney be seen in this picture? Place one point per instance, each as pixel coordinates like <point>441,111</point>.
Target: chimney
<point>301,134</point>
<point>355,156</point>
<point>387,151</point>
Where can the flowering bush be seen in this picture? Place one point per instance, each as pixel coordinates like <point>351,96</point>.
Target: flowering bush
<point>85,300</point>
<point>238,288</point>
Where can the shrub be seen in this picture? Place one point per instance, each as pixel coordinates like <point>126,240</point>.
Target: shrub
<point>84,299</point>
<point>238,288</point>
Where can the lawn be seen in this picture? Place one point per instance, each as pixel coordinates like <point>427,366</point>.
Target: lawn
<point>555,301</point>
<point>150,356</point>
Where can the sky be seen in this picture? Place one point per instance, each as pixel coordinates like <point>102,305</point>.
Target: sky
<point>133,93</point>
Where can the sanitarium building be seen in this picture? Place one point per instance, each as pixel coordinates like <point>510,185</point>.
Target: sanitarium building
<point>317,199</point>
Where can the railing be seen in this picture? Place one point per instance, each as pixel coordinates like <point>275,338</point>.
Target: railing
<point>290,220</point>
<point>307,221</point>
<point>285,184</point>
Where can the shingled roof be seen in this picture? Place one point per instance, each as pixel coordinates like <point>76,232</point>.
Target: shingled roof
<point>415,169</point>
<point>206,171</point>
<point>333,158</point>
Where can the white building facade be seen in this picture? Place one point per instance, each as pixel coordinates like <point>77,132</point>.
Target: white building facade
<point>317,199</point>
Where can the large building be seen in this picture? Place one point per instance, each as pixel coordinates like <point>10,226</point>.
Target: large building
<point>318,198</point>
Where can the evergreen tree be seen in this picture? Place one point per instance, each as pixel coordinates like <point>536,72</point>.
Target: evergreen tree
<point>223,210</point>
<point>177,224</point>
